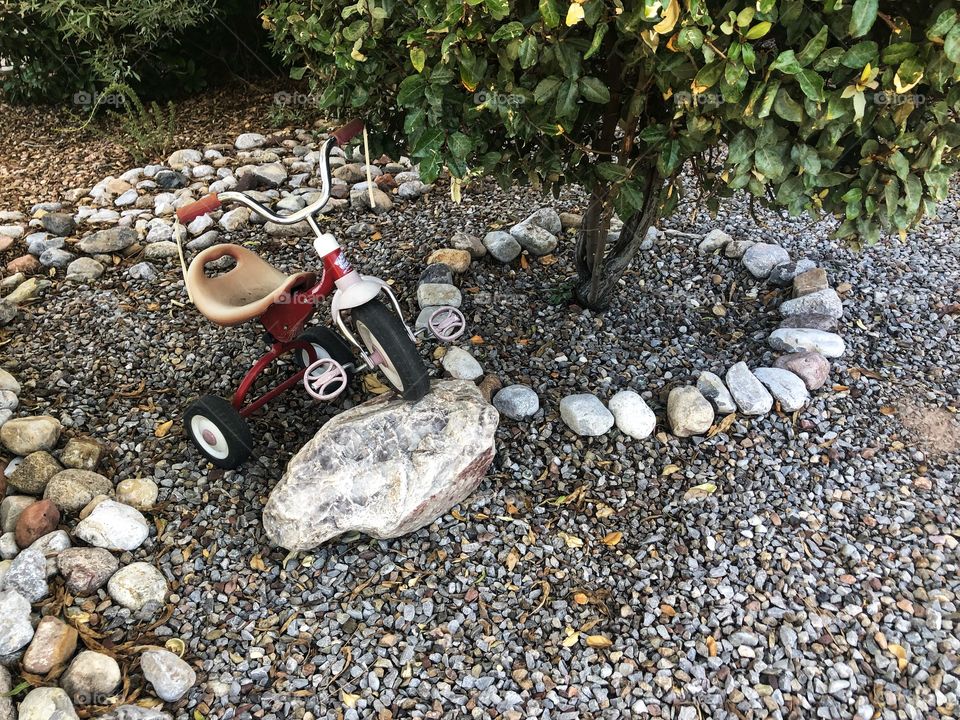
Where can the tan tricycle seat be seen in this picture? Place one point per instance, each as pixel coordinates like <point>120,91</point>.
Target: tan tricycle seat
<point>246,291</point>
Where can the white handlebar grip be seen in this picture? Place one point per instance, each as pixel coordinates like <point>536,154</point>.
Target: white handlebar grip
<point>325,244</point>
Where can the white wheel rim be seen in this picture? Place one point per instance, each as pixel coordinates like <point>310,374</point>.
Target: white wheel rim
<point>320,351</point>
<point>387,366</point>
<point>203,430</point>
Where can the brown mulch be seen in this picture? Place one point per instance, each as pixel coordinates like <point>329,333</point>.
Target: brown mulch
<point>42,152</point>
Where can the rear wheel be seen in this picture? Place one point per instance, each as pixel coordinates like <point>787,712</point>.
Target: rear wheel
<point>384,334</point>
<point>218,431</point>
<point>326,344</point>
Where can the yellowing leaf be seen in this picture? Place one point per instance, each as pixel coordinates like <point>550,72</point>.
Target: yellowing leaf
<point>575,14</point>
<point>604,510</point>
<point>711,646</point>
<point>418,58</point>
<point>572,541</point>
<point>668,610</point>
<point>571,639</point>
<point>670,17</point>
<point>599,641</point>
<point>900,653</point>
<point>581,598</point>
<point>611,539</point>
<point>513,557</point>
<point>256,562</point>
<point>349,699</point>
<point>371,383</point>
<point>670,469</point>
<point>887,410</point>
<point>163,428</point>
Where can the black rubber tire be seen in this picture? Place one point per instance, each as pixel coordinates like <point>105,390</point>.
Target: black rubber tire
<point>336,348</point>
<point>232,426</point>
<point>391,334</point>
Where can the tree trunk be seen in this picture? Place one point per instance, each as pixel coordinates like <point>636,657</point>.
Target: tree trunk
<point>601,262</point>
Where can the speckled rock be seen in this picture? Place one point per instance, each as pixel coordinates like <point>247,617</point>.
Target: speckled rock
<point>140,493</point>
<point>47,703</point>
<point>470,243</point>
<point>632,415</point>
<point>688,412</point>
<point>436,294</point>
<point>786,388</point>
<point>811,367</point>
<point>26,435</point>
<point>761,258</point>
<point>91,678</point>
<point>10,509</point>
<point>821,302</point>
<point>72,489</point>
<point>517,402</point>
<point>34,472</point>
<point>829,345</point>
<point>81,454</point>
<point>28,575</point>
<point>457,260</point>
<point>502,245</point>
<point>810,321</point>
<point>169,675</point>
<point>713,389</point>
<point>15,628</point>
<point>54,642</point>
<point>461,364</point>
<point>534,239</point>
<point>747,391</point>
<point>586,415</point>
<point>714,241</point>
<point>114,526</point>
<point>138,585</point>
<point>86,570</point>
<point>385,467</point>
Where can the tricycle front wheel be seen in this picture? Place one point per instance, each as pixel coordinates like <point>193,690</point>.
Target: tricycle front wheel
<point>385,337</point>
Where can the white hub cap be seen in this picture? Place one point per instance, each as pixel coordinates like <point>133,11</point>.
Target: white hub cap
<point>209,437</point>
<point>373,346</point>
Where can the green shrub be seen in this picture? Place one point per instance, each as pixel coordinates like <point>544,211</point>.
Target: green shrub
<point>839,106</point>
<point>159,47</point>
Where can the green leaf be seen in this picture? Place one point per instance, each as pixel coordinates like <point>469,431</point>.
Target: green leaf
<point>943,24</point>
<point>814,47</point>
<point>498,9</point>
<point>860,54</point>
<point>769,162</point>
<point>898,52</point>
<point>297,73</point>
<point>508,32</point>
<point>549,13</point>
<point>598,35</point>
<point>594,90</point>
<point>708,76</point>
<point>546,89</point>
<point>528,52</point>
<point>899,164</point>
<point>426,140</point>
<point>951,44</point>
<point>828,59</point>
<point>612,171</point>
<point>670,159</point>
<point>863,17</point>
<point>812,84</point>
<point>788,108</point>
<point>690,37</point>
<point>460,145</point>
<point>411,90</point>
<point>786,62</point>
<point>567,99</point>
<point>418,57</point>
<point>758,30</point>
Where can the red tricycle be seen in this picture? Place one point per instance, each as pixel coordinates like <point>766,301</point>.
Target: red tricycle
<point>255,289</point>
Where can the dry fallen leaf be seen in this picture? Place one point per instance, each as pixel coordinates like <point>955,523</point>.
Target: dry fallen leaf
<point>571,639</point>
<point>598,641</point>
<point>513,557</point>
<point>604,510</point>
<point>581,598</point>
<point>700,491</point>
<point>572,541</point>
<point>349,699</point>
<point>711,646</point>
<point>256,562</point>
<point>371,383</point>
<point>376,235</point>
<point>668,610</point>
<point>670,469</point>
<point>476,340</point>
<point>163,428</point>
<point>887,410</point>
<point>548,259</point>
<point>900,654</point>
<point>611,539</point>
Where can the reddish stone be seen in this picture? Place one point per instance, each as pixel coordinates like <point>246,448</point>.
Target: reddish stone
<point>35,521</point>
<point>25,264</point>
<point>811,367</point>
<point>385,182</point>
<point>5,242</point>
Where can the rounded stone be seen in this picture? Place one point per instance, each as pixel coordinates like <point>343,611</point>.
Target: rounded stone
<point>586,415</point>
<point>502,245</point>
<point>91,678</point>
<point>15,628</point>
<point>26,435</point>
<point>37,520</point>
<point>811,367</point>
<point>47,703</point>
<point>461,364</point>
<point>748,392</point>
<point>688,412</point>
<point>136,585</point>
<point>140,493</point>
<point>632,415</point>
<point>72,489</point>
<point>762,258</point>
<point>517,402</point>
<point>34,472</point>
<point>169,675</point>
<point>85,569</point>
<point>456,260</point>
<point>114,526</point>
<point>54,642</point>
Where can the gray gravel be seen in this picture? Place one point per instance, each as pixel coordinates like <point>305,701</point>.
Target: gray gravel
<point>828,544</point>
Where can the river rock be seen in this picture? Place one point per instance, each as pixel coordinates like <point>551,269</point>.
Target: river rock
<point>184,158</point>
<point>811,281</point>
<point>50,546</point>
<point>27,575</point>
<point>534,239</point>
<point>169,675</point>
<point>114,526</point>
<point>6,704</point>
<point>91,678</point>
<point>714,241</point>
<point>517,402</point>
<point>786,388</point>
<point>8,546</point>
<point>54,642</point>
<point>586,415</point>
<point>688,412</point>
<point>761,258</point>
<point>34,472</point>
<point>249,141</point>
<point>811,367</point>
<point>502,245</point>
<point>9,382</point>
<point>810,321</point>
<point>85,569</point>
<point>138,585</point>
<point>26,435</point>
<point>747,391</point>
<point>37,519</point>
<point>84,269</point>
<point>108,241</point>
<point>385,467</point>
<point>784,273</point>
<point>47,703</point>
<point>713,389</point>
<point>632,415</point>
<point>471,243</point>
<point>81,454</point>
<point>437,272</point>
<point>436,294</point>
<point>821,302</point>
<point>15,628</point>
<point>59,224</point>
<point>461,364</point>
<point>140,493</point>
<point>72,489</point>
<point>361,199</point>
<point>134,712</point>
<point>546,218</point>
<point>735,249</point>
<point>829,345</point>
<point>455,259</point>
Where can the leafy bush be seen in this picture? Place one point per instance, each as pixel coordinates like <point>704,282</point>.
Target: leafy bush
<point>159,47</point>
<point>811,105</point>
